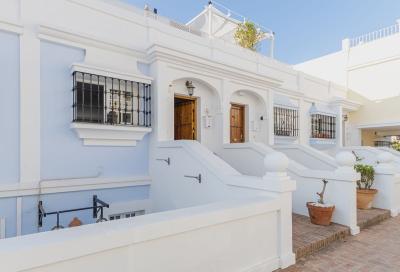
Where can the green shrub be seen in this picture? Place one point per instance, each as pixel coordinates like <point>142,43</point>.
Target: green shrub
<point>367,176</point>
<point>396,146</point>
<point>248,36</point>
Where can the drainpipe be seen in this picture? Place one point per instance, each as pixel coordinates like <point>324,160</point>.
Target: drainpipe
<point>272,46</point>
<point>210,19</point>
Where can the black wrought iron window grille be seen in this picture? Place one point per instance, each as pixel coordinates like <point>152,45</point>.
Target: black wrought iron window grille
<point>286,122</point>
<point>323,126</point>
<point>112,101</point>
<point>383,143</point>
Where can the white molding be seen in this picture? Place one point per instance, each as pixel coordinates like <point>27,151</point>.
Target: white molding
<point>101,71</point>
<point>372,63</point>
<point>158,52</point>
<point>70,185</point>
<point>11,27</point>
<point>379,125</point>
<point>108,135</point>
<point>72,38</point>
<point>285,139</point>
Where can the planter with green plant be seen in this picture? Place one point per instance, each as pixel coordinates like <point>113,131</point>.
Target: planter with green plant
<point>365,194</point>
<point>248,36</point>
<point>320,212</point>
<point>396,146</point>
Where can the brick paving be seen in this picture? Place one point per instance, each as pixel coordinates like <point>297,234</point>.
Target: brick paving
<point>309,238</point>
<point>376,248</point>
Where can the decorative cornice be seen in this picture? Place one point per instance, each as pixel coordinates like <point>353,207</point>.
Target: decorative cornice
<point>72,38</point>
<point>11,27</point>
<point>162,53</point>
<point>347,104</point>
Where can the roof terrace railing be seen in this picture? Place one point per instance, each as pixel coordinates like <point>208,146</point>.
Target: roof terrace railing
<point>376,35</point>
<point>269,34</point>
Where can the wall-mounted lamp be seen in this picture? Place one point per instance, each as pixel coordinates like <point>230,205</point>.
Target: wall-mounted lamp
<point>190,87</point>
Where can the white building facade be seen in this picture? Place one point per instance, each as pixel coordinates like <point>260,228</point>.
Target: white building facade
<point>108,100</point>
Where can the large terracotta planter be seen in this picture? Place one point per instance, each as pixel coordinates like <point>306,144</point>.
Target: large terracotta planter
<point>365,198</point>
<point>320,215</point>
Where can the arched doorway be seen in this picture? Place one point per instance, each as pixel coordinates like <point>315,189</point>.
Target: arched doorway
<point>197,115</point>
<point>247,117</point>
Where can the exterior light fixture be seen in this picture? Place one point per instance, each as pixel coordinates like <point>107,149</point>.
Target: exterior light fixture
<point>345,118</point>
<point>190,87</point>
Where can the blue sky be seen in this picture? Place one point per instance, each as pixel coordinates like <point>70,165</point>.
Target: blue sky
<point>304,29</point>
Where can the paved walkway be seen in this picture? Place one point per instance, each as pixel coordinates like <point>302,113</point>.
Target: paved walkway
<point>376,248</point>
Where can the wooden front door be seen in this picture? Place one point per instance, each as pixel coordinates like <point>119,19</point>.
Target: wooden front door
<point>185,118</point>
<point>237,123</point>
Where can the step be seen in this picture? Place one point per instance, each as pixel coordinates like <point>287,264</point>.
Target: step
<point>309,238</point>
<point>367,218</point>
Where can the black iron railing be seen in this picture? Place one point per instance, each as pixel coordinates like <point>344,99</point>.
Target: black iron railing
<point>323,126</point>
<point>383,143</point>
<point>286,122</point>
<point>112,101</point>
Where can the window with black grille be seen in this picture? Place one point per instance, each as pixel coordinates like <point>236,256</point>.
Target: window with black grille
<point>286,122</point>
<point>323,126</point>
<point>112,101</point>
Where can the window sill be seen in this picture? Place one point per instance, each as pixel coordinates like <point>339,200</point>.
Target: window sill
<point>107,135</point>
<point>322,141</point>
<point>285,139</point>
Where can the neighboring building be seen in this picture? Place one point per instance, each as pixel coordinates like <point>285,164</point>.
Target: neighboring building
<point>368,65</point>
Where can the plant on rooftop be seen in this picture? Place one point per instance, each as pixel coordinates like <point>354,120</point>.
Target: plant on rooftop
<point>248,36</point>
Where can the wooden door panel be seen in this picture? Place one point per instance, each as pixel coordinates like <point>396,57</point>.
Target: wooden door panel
<point>237,123</point>
<point>185,120</point>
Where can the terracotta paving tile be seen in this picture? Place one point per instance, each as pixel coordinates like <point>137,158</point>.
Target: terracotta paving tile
<point>376,248</point>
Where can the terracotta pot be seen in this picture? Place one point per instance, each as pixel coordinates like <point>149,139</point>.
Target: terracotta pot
<point>365,198</point>
<point>75,222</point>
<point>320,215</point>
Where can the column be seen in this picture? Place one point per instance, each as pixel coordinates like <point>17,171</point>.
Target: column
<point>283,186</point>
<point>304,117</point>
<point>29,97</point>
<point>270,118</point>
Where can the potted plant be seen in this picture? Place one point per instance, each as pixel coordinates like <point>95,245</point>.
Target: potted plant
<point>365,195</point>
<point>248,36</point>
<point>320,212</point>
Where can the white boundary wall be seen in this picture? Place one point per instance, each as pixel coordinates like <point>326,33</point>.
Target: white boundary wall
<point>227,222</point>
<point>226,236</point>
<point>172,190</point>
<point>341,189</point>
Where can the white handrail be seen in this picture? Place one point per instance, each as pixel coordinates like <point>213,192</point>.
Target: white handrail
<point>375,35</point>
